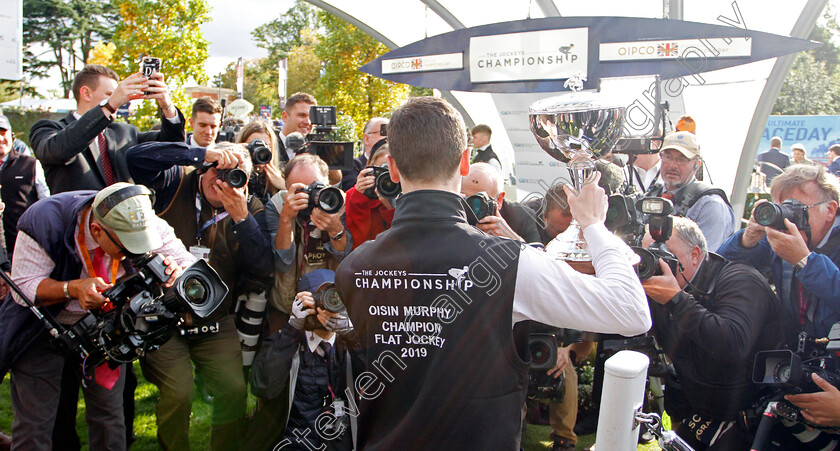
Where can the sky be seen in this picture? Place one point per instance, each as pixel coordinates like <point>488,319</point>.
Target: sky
<point>229,33</point>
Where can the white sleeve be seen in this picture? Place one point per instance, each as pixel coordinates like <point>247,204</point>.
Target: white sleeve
<point>551,292</point>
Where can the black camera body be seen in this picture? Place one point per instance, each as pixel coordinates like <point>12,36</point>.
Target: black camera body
<point>260,152</point>
<point>383,183</point>
<point>327,198</point>
<point>787,371</point>
<point>144,314</point>
<point>482,205</point>
<point>660,225</point>
<point>623,219</point>
<point>770,214</point>
<point>542,348</point>
<point>322,141</point>
<point>326,297</point>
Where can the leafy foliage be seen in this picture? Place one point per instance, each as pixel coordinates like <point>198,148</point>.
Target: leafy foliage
<point>344,48</point>
<point>68,29</point>
<point>167,29</point>
<point>811,86</point>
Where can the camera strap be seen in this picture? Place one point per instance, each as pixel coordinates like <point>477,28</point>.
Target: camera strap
<point>212,221</point>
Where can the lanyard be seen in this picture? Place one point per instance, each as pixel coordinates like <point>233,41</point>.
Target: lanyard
<point>209,222</point>
<point>80,241</point>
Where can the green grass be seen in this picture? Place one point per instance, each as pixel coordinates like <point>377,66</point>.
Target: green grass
<point>145,429</point>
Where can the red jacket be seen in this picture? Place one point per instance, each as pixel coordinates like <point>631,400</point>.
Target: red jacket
<point>366,217</point>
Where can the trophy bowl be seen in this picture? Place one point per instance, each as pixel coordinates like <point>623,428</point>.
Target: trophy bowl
<point>585,124</point>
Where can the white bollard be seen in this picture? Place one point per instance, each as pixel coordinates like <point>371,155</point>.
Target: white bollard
<point>625,375</point>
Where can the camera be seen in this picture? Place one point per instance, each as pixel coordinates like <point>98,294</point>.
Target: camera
<point>234,177</point>
<point>322,142</point>
<point>771,214</point>
<point>787,371</point>
<point>623,219</point>
<point>383,183</point>
<point>543,350</point>
<point>260,152</point>
<point>327,198</point>
<point>660,224</point>
<point>326,297</point>
<point>482,205</point>
<point>144,314</point>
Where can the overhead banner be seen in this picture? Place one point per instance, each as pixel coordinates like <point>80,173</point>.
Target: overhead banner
<point>11,39</point>
<point>816,133</point>
<point>535,55</point>
<point>539,55</point>
<point>447,61</point>
<point>675,48</point>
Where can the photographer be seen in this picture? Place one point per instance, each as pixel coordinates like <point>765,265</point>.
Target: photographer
<point>268,179</point>
<point>461,295</point>
<point>711,318</point>
<point>70,248</point>
<point>220,225</point>
<point>301,244</point>
<point>310,362</point>
<point>802,260</point>
<point>371,136</point>
<point>367,217</point>
<point>511,219</point>
<point>696,200</point>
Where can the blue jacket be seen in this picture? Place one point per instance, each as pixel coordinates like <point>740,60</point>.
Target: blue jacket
<point>820,279</point>
<point>51,222</point>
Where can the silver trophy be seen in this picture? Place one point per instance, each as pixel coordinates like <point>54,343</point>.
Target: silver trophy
<point>575,127</point>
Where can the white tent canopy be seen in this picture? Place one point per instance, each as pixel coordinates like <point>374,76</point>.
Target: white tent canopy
<point>730,105</point>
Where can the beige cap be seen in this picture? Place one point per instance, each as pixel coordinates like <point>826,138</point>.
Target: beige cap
<point>799,146</point>
<point>127,210</point>
<point>685,142</point>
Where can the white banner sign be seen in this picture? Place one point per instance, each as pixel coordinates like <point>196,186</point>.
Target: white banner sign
<point>11,39</point>
<point>671,49</point>
<point>446,61</point>
<point>533,55</point>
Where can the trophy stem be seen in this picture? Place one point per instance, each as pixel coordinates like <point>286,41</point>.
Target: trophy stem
<point>581,172</point>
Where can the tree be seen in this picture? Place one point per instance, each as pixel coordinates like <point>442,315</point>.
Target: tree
<point>811,86</point>
<point>809,89</point>
<point>68,29</point>
<point>258,87</point>
<point>343,49</point>
<point>167,29</point>
<point>284,33</point>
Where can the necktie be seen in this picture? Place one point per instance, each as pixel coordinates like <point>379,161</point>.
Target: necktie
<point>326,347</point>
<point>105,376</point>
<point>99,264</point>
<point>107,167</point>
<point>668,195</point>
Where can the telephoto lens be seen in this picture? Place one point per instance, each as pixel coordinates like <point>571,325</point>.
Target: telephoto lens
<point>327,298</point>
<point>386,187</point>
<point>482,205</point>
<point>260,153</point>
<point>235,177</point>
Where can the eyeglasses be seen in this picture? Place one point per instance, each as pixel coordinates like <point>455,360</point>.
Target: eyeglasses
<point>816,204</point>
<point>680,160</point>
